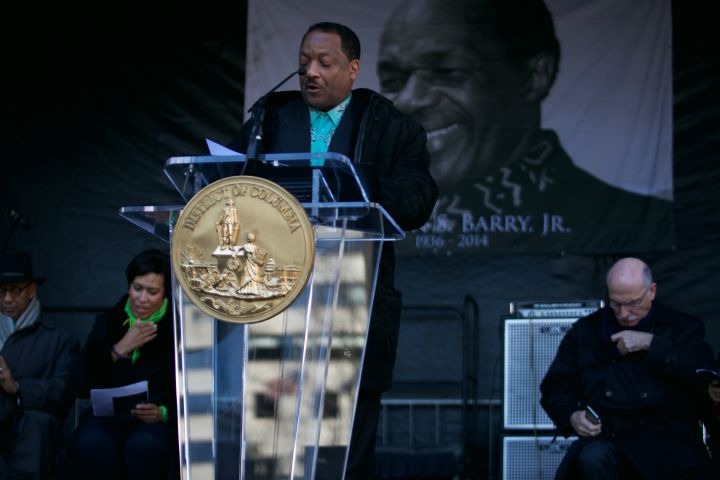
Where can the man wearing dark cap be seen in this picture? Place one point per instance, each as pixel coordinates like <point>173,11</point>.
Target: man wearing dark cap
<point>35,363</point>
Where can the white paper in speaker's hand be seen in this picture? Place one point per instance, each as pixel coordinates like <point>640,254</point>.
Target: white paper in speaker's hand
<point>217,149</point>
<point>102,398</point>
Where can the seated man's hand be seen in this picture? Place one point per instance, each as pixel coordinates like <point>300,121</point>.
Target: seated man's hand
<point>147,412</point>
<point>7,382</point>
<point>629,341</point>
<point>584,427</point>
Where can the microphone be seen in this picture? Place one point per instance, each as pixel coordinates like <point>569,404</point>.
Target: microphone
<point>17,218</point>
<point>258,112</point>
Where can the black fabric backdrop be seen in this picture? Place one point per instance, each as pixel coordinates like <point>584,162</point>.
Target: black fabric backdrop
<point>95,101</point>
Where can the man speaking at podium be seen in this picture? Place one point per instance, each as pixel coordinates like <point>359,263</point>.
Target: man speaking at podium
<point>327,115</point>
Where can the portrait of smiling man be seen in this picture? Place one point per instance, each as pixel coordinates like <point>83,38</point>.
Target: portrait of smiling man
<point>474,74</point>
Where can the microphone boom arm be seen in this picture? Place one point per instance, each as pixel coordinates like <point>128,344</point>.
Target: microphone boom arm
<point>258,113</point>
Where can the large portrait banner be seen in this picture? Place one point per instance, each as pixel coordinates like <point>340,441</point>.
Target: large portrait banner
<point>549,123</point>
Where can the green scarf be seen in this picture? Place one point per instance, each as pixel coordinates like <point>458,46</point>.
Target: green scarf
<point>132,320</point>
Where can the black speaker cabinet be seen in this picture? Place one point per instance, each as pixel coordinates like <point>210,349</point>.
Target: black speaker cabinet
<point>530,457</point>
<point>530,346</point>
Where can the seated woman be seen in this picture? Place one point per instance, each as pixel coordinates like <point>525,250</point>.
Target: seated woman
<point>131,343</point>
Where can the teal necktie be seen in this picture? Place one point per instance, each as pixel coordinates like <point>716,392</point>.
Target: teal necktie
<point>323,125</point>
<point>321,131</point>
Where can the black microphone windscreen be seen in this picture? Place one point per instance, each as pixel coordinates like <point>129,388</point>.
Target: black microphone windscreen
<point>301,71</point>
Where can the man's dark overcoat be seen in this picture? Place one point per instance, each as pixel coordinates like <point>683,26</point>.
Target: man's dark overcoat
<point>650,401</point>
<point>390,154</point>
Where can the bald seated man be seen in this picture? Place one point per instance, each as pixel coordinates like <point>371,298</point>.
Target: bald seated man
<point>624,380</point>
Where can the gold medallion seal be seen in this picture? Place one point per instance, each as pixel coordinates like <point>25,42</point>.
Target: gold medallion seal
<point>243,249</point>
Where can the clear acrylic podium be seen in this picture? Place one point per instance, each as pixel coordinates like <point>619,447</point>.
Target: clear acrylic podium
<point>275,400</point>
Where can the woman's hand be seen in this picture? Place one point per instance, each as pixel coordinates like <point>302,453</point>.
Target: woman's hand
<point>138,335</point>
<point>147,412</point>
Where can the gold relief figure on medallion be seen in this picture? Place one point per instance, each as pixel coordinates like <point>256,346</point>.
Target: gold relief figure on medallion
<point>251,282</point>
<point>227,226</point>
<point>243,282</point>
<point>249,274</point>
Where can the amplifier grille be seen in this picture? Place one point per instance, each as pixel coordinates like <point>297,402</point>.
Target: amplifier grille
<point>530,346</point>
<point>527,457</point>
